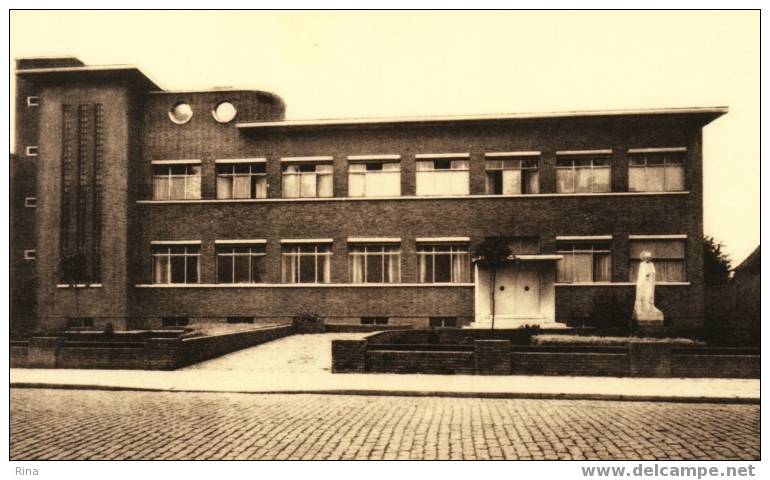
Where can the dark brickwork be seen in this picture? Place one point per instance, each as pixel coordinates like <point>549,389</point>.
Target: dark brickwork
<point>128,127</point>
<point>580,364</point>
<point>710,366</point>
<point>388,361</point>
<point>649,359</point>
<point>348,356</point>
<point>493,357</point>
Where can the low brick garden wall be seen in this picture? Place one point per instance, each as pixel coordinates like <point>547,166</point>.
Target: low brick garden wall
<point>149,354</point>
<point>499,357</point>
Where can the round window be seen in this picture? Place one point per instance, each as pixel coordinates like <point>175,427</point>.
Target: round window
<point>224,112</point>
<point>180,113</point>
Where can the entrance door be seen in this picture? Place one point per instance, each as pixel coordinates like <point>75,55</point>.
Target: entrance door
<point>517,292</point>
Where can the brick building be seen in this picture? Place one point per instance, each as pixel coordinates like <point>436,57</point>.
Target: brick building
<point>146,208</point>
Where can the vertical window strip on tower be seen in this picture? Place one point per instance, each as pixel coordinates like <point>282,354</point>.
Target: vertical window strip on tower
<point>98,193</point>
<point>68,126</point>
<point>82,176</point>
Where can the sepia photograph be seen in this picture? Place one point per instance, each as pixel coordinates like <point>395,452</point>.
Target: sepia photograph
<point>386,235</point>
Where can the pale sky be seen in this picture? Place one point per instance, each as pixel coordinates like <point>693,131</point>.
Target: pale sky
<point>363,64</point>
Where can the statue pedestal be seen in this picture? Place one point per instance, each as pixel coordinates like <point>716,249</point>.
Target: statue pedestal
<point>649,320</point>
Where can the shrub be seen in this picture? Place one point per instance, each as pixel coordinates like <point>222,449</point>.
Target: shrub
<point>594,340</point>
<point>612,311</point>
<point>308,322</point>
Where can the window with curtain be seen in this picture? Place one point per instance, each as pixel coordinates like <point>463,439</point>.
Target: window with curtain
<point>240,263</point>
<point>307,263</point>
<point>583,262</point>
<point>241,180</point>
<point>442,177</point>
<point>374,179</point>
<point>175,264</point>
<point>307,180</point>
<point>176,182</point>
<point>375,263</point>
<point>656,172</point>
<point>582,174</point>
<point>667,256</point>
<point>444,263</point>
<point>512,176</point>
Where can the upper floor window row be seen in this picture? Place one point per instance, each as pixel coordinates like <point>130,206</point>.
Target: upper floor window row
<point>649,170</point>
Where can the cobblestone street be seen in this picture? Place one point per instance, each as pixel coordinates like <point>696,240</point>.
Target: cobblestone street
<point>90,424</point>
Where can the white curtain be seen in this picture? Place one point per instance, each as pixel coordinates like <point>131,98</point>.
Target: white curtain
<point>565,180</point>
<point>583,180</point>
<point>655,178</point>
<point>511,182</point>
<point>460,268</point>
<point>357,268</point>
<point>161,268</point>
<point>601,179</point>
<point>290,186</point>
<point>260,190</point>
<point>160,187</point>
<point>224,187</point>
<point>674,178</point>
<point>636,179</point>
<point>241,186</point>
<point>324,185</point>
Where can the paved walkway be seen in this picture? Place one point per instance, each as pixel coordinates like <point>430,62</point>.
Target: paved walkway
<point>90,424</point>
<point>301,363</point>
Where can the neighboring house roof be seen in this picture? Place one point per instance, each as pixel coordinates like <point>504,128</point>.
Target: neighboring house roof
<point>750,264</point>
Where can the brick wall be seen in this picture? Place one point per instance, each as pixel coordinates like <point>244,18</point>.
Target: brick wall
<point>716,366</point>
<point>580,364</point>
<point>387,361</point>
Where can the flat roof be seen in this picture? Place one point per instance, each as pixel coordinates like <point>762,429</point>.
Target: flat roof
<point>132,72</point>
<point>710,113</point>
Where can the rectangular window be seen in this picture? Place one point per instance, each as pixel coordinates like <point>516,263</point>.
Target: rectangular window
<point>241,319</point>
<point>240,263</point>
<point>442,177</point>
<point>374,320</point>
<point>583,174</point>
<point>30,202</point>
<point>583,262</point>
<point>31,151</point>
<point>80,322</point>
<point>241,180</point>
<point>374,179</point>
<point>175,321</point>
<point>375,263</point>
<point>33,101</point>
<point>443,322</point>
<point>176,182</point>
<point>307,180</point>
<point>176,264</point>
<point>29,254</point>
<point>512,176</point>
<point>444,263</point>
<point>656,172</point>
<point>667,257</point>
<point>306,263</point>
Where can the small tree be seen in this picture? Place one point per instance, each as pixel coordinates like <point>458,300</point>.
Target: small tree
<point>492,254</point>
<point>716,263</point>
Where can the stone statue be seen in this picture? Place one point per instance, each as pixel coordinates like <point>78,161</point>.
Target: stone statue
<point>644,306</point>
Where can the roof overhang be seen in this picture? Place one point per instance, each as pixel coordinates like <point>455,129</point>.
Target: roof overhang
<point>129,73</point>
<point>704,114</point>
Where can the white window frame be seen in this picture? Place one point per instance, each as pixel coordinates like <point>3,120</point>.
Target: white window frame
<point>593,157</point>
<point>374,159</point>
<point>426,163</point>
<point>291,252</point>
<point>170,164</point>
<point>669,155</point>
<point>186,254</point>
<point>30,254</point>
<point>31,151</point>
<point>500,163</point>
<point>455,249</point>
<point>30,202</point>
<point>588,241</point>
<point>315,161</point>
<point>255,250</point>
<point>232,163</point>
<point>33,101</point>
<point>362,250</point>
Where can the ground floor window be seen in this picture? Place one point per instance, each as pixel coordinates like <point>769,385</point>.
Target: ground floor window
<point>443,322</point>
<point>307,263</point>
<point>240,263</point>
<point>374,320</point>
<point>375,263</point>
<point>175,264</point>
<point>175,321</point>
<point>583,262</point>
<point>667,256</point>
<point>444,263</point>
